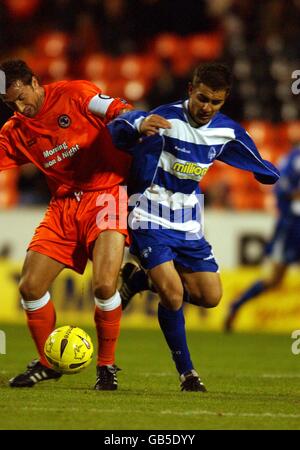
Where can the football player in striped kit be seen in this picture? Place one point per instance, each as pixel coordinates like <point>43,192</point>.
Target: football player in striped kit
<point>283,249</point>
<point>166,205</point>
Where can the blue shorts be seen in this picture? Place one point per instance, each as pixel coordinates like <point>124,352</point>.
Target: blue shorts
<point>154,247</point>
<point>284,246</point>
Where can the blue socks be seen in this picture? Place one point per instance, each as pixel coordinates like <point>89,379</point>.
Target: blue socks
<point>256,289</point>
<point>172,325</point>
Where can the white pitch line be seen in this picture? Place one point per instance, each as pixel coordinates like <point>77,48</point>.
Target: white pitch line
<point>264,375</point>
<point>199,412</point>
<point>229,414</point>
<point>281,375</point>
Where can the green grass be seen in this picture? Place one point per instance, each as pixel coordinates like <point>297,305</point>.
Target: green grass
<point>253,383</point>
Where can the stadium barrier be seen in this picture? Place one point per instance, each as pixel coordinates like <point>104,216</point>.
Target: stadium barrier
<point>239,255</point>
<point>245,233</point>
<point>277,311</point>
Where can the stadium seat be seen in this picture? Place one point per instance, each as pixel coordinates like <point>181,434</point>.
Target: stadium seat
<point>135,90</point>
<point>132,66</point>
<point>261,132</point>
<point>242,68</point>
<point>271,152</point>
<point>167,45</point>
<point>22,9</point>
<point>205,47</point>
<point>289,132</point>
<point>52,44</point>
<point>97,66</point>
<point>49,69</point>
<point>247,200</point>
<point>39,65</point>
<point>182,65</point>
<point>58,69</point>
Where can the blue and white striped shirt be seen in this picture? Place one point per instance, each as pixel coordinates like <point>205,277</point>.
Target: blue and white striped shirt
<point>168,167</point>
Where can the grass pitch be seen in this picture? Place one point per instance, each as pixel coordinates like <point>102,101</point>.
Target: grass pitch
<point>253,383</point>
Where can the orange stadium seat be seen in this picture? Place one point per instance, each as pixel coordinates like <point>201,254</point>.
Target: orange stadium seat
<point>105,84</point>
<point>49,69</point>
<point>244,191</point>
<point>168,45</point>
<point>205,46</point>
<point>289,133</point>
<point>247,200</point>
<point>52,44</point>
<point>39,64</point>
<point>58,69</point>
<point>270,151</point>
<point>21,9</point>
<point>134,66</point>
<point>261,132</point>
<point>182,64</point>
<point>97,66</point>
<point>135,90</point>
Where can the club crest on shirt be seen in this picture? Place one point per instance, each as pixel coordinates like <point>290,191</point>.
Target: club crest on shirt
<point>212,153</point>
<point>64,121</point>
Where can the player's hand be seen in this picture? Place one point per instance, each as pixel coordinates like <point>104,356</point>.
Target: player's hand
<point>151,124</point>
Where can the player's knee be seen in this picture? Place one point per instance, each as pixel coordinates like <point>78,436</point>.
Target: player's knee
<point>171,299</point>
<point>211,300</point>
<point>104,290</point>
<point>31,288</point>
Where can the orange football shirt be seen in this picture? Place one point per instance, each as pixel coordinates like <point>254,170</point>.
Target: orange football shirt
<point>67,142</point>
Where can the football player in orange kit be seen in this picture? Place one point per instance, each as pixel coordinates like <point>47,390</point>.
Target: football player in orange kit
<point>60,128</point>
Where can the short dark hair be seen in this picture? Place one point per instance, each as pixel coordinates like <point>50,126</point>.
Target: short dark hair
<point>215,75</point>
<point>16,69</point>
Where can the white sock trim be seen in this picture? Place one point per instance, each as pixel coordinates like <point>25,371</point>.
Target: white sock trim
<point>33,305</point>
<point>110,303</point>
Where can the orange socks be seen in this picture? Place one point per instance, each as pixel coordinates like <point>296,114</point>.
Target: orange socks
<point>41,322</point>
<point>107,319</point>
<point>41,319</point>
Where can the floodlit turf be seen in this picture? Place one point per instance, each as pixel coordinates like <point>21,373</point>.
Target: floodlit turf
<point>253,383</point>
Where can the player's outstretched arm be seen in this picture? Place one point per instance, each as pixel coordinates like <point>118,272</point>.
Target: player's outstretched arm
<point>243,154</point>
